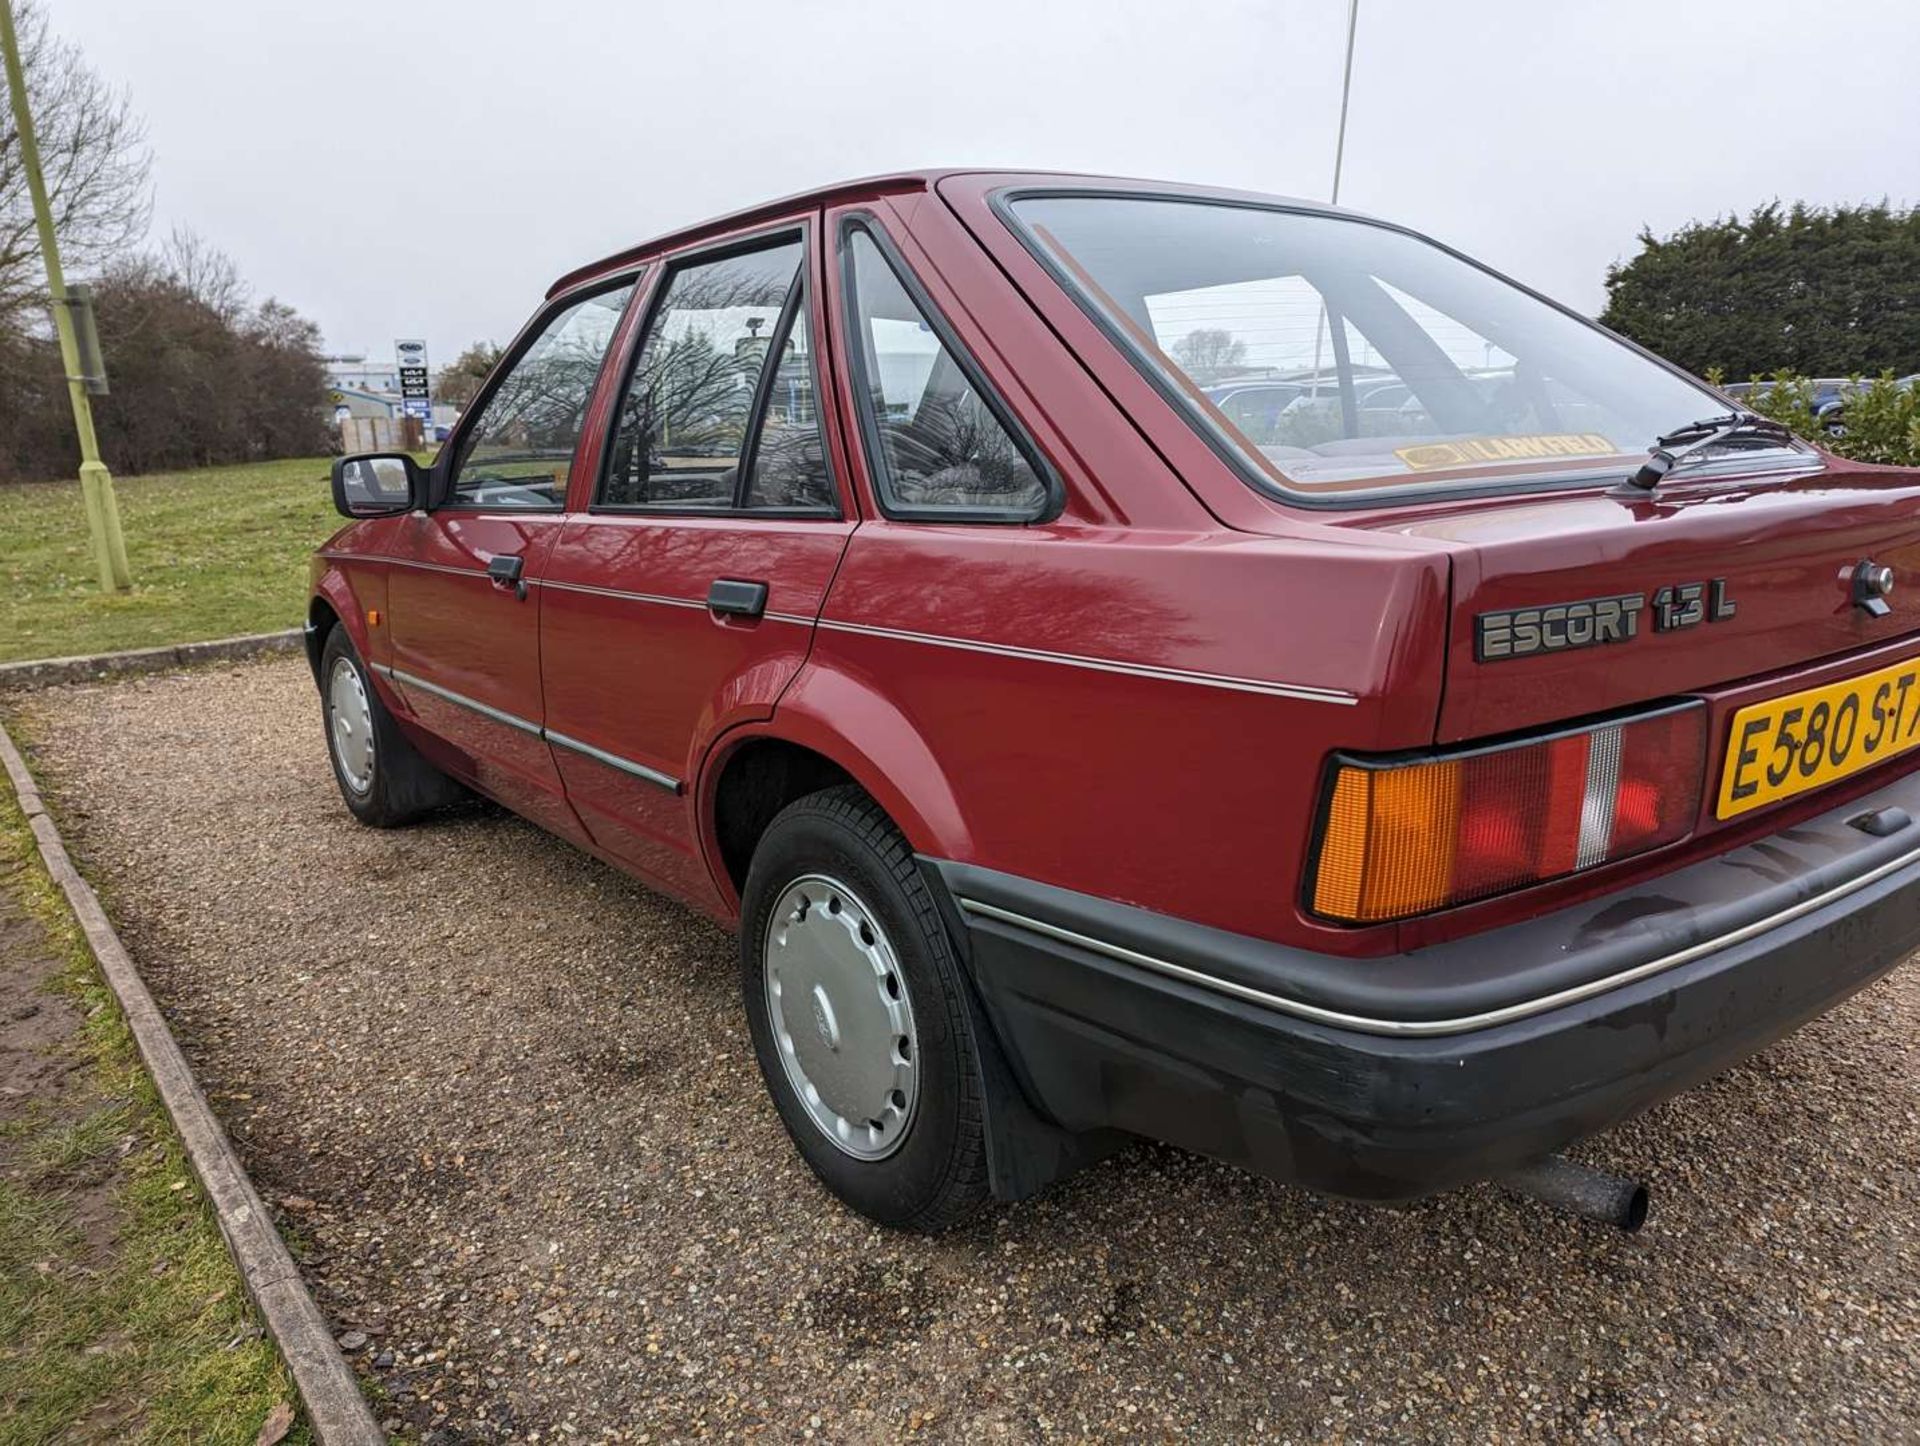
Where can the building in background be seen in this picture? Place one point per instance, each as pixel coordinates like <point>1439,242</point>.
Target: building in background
<point>362,390</point>
<point>369,389</point>
<point>352,371</point>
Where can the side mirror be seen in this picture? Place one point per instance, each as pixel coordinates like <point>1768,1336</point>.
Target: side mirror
<point>377,484</point>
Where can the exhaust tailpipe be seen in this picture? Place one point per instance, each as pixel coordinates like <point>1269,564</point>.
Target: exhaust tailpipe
<point>1581,1190</point>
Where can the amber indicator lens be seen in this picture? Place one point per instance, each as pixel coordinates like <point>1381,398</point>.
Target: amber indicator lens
<point>1413,837</point>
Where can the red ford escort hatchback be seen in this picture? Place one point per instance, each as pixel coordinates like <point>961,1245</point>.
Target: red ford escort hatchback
<point>1140,660</point>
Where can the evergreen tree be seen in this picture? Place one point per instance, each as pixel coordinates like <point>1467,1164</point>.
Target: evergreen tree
<point>1818,291</point>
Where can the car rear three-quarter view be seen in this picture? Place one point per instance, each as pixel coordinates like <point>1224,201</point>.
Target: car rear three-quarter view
<point>1134,660</point>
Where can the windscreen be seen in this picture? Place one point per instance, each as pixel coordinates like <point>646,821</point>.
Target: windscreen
<point>1340,357</point>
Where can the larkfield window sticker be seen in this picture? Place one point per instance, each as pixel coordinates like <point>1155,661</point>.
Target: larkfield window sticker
<point>1596,621</point>
<point>1433,456</point>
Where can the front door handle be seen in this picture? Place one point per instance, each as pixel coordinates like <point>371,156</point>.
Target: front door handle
<point>504,569</point>
<point>735,596</point>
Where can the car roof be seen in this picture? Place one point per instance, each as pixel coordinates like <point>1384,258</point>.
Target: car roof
<point>904,183</point>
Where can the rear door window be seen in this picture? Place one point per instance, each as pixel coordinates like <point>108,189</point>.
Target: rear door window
<point>719,413</point>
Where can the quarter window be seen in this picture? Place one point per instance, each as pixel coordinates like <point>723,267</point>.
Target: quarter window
<point>727,337</point>
<point>936,442</point>
<point>517,452</point>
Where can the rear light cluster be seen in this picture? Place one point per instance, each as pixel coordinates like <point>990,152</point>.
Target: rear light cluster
<point>1400,838</point>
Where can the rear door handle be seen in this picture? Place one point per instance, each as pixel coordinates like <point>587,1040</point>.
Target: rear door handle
<point>504,569</point>
<point>737,597</point>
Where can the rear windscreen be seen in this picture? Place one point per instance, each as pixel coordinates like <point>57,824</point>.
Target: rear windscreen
<point>1335,356</point>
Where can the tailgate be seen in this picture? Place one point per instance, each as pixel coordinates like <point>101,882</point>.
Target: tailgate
<point>1564,607</point>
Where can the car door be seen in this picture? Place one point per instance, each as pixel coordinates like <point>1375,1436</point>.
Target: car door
<point>463,614</point>
<point>681,600</point>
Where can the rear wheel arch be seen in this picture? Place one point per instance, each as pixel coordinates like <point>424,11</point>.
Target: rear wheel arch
<point>754,772</point>
<point>757,778</point>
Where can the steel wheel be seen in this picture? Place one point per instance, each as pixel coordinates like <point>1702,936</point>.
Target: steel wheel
<point>841,1017</point>
<point>350,725</point>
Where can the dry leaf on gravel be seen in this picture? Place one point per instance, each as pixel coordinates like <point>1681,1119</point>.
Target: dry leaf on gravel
<point>274,1429</point>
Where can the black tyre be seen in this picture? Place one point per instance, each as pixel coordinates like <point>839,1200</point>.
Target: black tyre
<point>383,779</point>
<point>859,1014</point>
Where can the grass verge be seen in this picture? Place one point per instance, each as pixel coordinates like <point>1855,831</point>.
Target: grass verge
<point>214,553</point>
<point>122,1317</point>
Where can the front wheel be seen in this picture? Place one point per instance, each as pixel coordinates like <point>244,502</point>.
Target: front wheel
<point>859,1014</point>
<point>382,777</point>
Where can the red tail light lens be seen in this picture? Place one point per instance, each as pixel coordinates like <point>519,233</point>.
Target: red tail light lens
<point>1404,838</point>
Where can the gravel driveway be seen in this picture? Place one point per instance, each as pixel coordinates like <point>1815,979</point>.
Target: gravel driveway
<point>507,1102</point>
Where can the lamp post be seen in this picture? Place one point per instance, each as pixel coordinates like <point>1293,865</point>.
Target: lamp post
<point>1339,155</point>
<point>96,483</point>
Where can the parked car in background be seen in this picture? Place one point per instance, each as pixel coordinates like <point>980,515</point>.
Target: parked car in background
<point>1378,791</point>
<point>1255,408</point>
<point>1834,418</point>
<point>1829,399</point>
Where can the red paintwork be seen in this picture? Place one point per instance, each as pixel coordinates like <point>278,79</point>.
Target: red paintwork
<point>1192,799</point>
<point>448,622</point>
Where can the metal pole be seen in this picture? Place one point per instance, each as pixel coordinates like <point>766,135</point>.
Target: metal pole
<point>1339,155</point>
<point>1346,92</point>
<point>96,483</point>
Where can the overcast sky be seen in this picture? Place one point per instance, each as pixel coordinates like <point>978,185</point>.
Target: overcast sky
<point>427,167</point>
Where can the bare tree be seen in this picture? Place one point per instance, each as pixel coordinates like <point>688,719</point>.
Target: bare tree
<point>1209,353</point>
<point>205,273</point>
<point>198,377</point>
<point>93,152</point>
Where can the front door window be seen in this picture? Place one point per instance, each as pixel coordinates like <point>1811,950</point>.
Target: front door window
<point>518,450</point>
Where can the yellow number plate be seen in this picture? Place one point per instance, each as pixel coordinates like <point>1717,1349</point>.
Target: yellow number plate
<point>1806,740</point>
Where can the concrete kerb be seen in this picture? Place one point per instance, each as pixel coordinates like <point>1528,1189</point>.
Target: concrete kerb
<point>46,672</point>
<point>336,1410</point>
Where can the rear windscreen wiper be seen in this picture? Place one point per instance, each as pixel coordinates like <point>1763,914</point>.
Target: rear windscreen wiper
<point>1669,450</point>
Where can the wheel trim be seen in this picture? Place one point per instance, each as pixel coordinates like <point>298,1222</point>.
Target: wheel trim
<point>841,1018</point>
<point>350,725</point>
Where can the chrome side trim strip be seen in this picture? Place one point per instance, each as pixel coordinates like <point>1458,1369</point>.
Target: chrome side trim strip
<point>614,760</point>
<point>461,700</point>
<point>1464,1024</point>
<point>512,720</point>
<point>1108,665</point>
